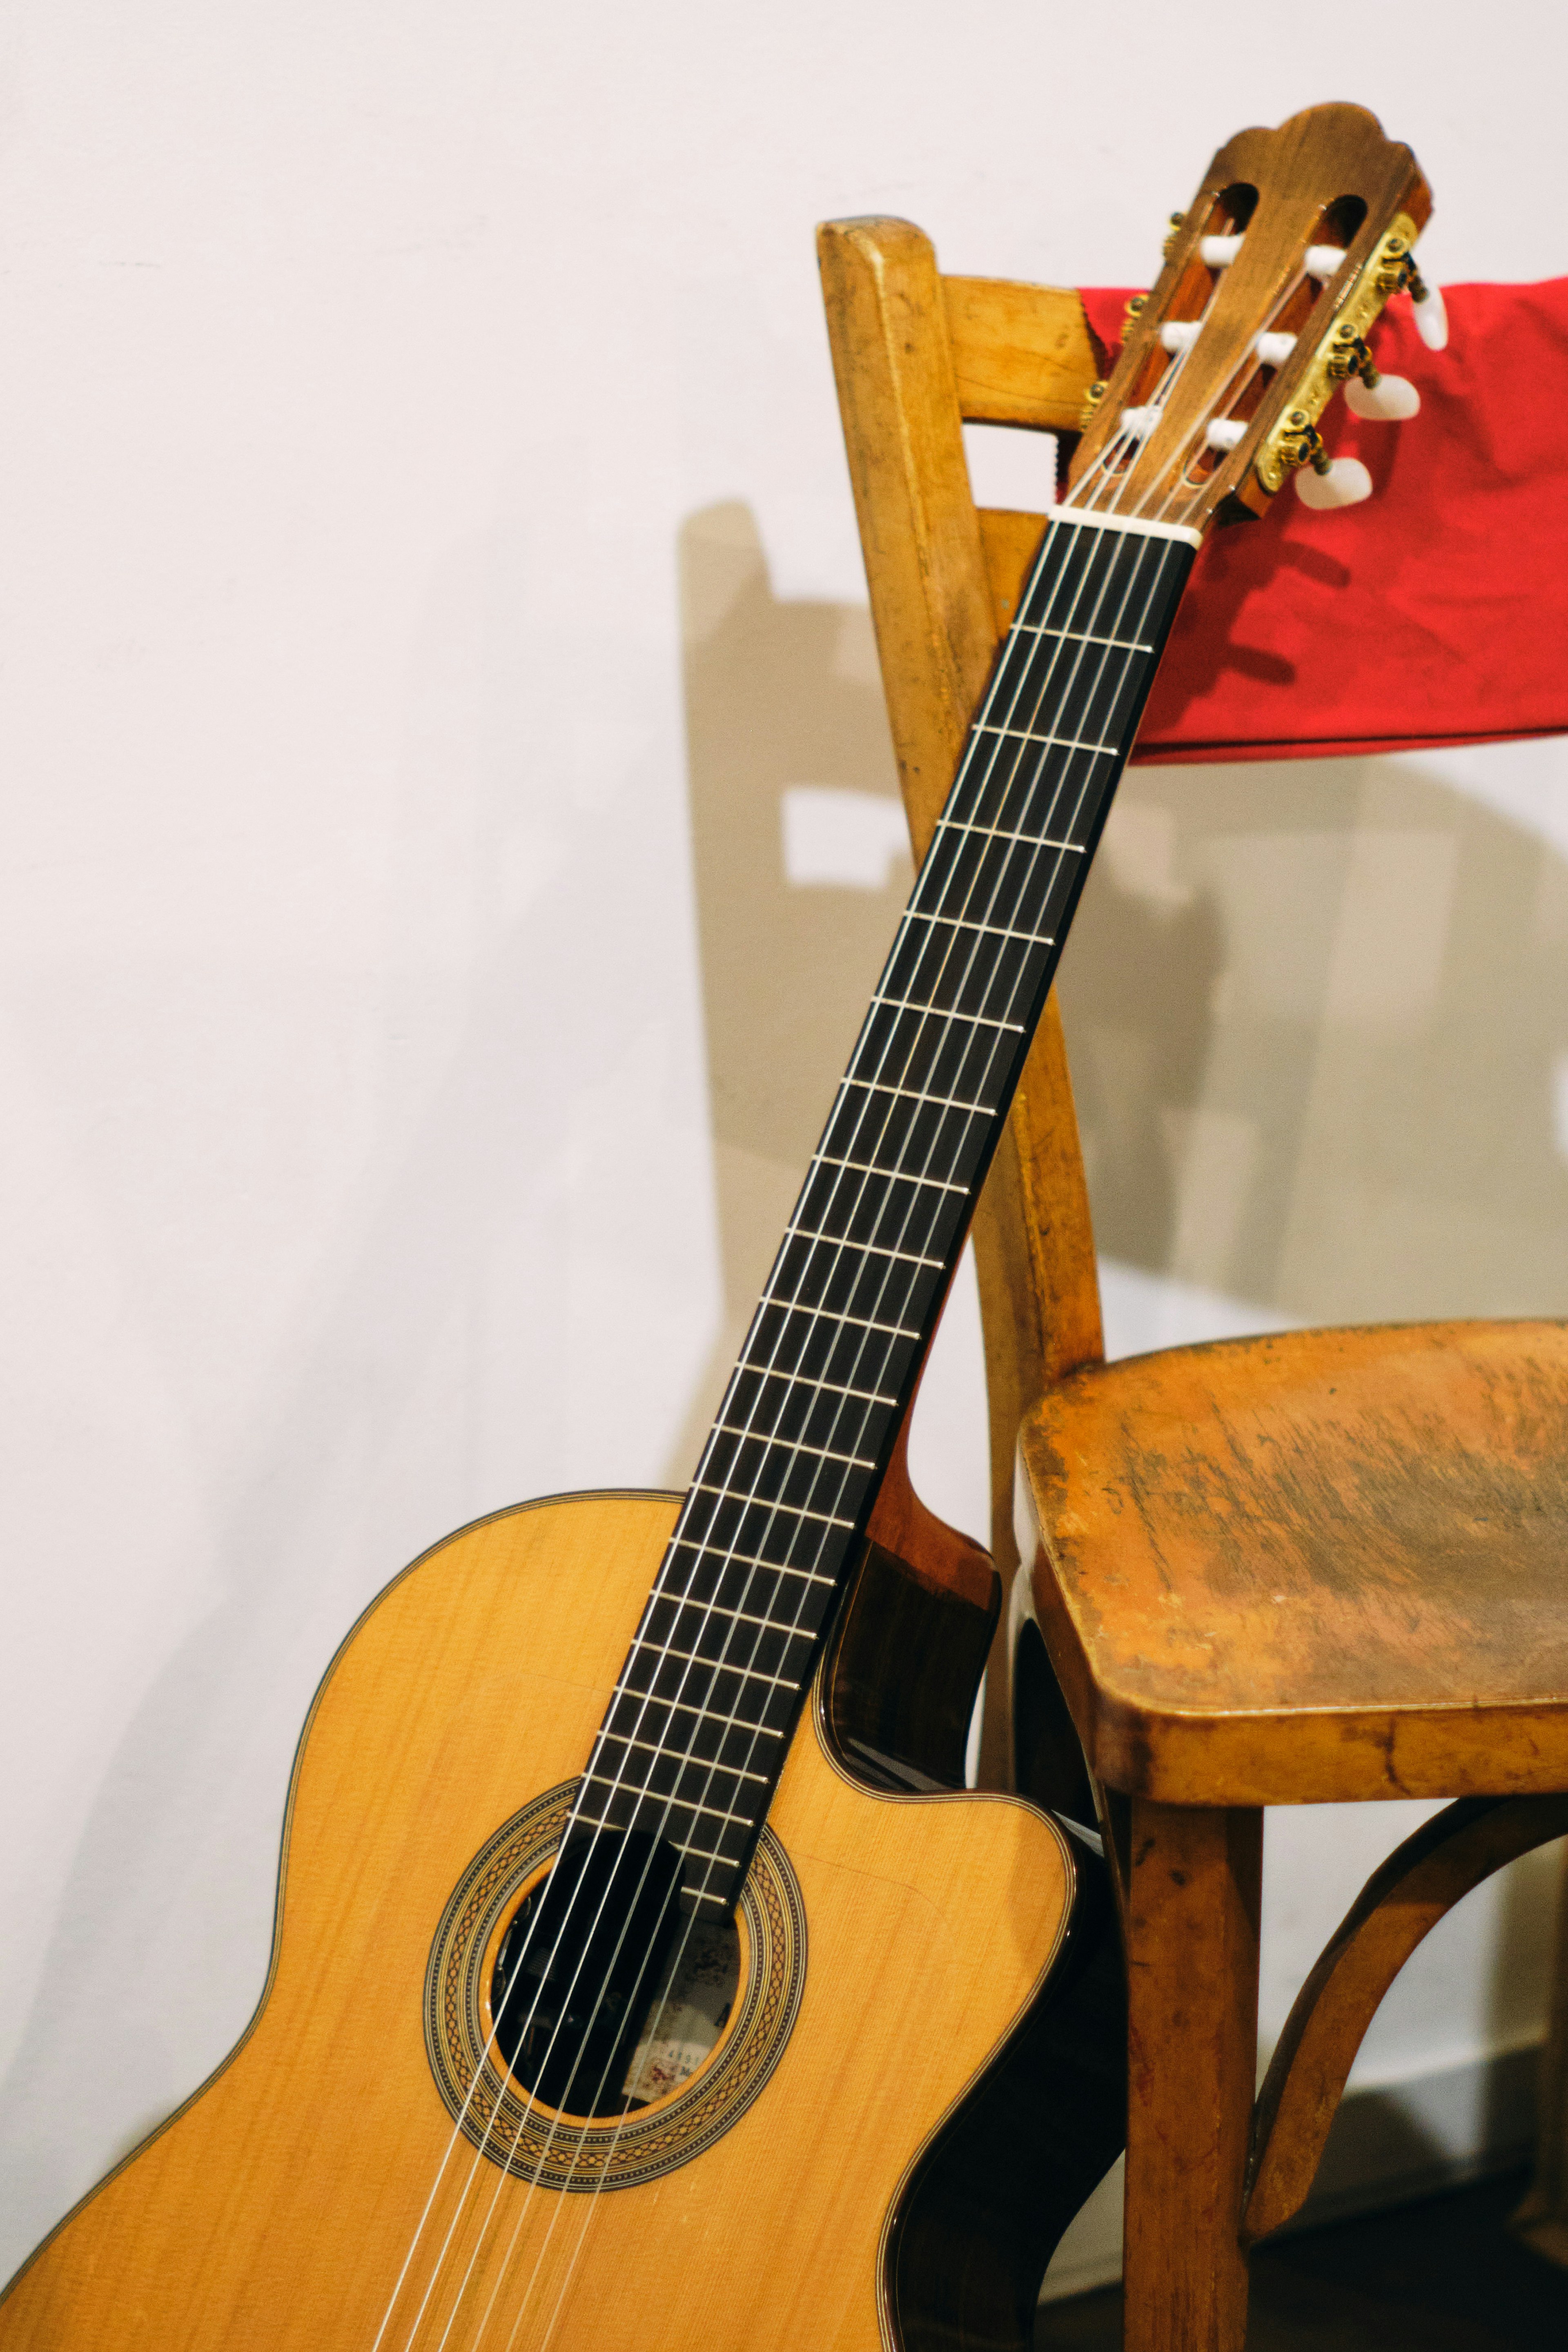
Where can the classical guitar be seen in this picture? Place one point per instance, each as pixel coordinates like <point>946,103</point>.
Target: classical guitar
<point>642,1977</point>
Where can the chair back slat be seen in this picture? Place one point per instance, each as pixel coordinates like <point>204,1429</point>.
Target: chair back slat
<point>1021,354</point>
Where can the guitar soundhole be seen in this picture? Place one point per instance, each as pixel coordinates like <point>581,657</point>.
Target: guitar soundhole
<point>620,2099</point>
<point>604,1994</point>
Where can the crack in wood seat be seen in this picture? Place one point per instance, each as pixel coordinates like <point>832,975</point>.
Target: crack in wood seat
<point>1323,1565</point>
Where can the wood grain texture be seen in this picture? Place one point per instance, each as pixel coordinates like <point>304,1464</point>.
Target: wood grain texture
<point>934,607</point>
<point>1022,354</point>
<point>1401,1903</point>
<point>1296,172</point>
<point>1009,542</point>
<point>274,2209</point>
<point>1192,2031</point>
<point>1325,1565</point>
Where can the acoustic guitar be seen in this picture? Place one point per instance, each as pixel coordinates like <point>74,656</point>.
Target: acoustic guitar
<point>643,1979</point>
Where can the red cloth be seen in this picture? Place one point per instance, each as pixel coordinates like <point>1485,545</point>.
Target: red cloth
<point>1436,612</point>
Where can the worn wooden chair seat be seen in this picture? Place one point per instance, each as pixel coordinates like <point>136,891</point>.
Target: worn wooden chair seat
<point>1326,1565</point>
<point>1405,1489</point>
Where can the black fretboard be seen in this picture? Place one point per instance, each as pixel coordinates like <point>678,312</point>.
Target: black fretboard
<point>696,1734</point>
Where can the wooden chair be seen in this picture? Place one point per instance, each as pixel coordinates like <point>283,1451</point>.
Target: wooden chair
<point>1327,1566</point>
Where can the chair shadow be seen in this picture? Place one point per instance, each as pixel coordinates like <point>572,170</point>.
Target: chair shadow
<point>1318,1015</point>
<point>780,692</point>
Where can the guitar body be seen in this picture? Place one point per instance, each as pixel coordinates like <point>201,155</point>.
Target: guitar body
<point>906,1938</point>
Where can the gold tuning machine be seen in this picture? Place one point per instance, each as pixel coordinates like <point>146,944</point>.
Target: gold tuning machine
<point>1349,354</point>
<point>1397,272</point>
<point>1368,392</point>
<point>1298,443</point>
<point>1293,441</point>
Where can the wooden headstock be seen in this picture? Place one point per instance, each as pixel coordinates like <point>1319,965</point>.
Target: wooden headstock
<point>1203,417</point>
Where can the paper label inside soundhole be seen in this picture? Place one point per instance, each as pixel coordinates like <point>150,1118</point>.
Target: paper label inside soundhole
<point>536,2143</point>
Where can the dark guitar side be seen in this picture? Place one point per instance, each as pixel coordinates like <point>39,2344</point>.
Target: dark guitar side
<point>993,2193</point>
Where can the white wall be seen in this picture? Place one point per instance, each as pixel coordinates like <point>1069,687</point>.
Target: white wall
<point>409,1026</point>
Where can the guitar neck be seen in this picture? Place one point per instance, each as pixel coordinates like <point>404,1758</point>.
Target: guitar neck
<point>696,1733</point>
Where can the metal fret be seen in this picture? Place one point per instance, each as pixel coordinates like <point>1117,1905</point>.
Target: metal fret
<point>697,1763</point>
<point>1024,735</point>
<point>855,1322</point>
<point>913,1093</point>
<point>719,1665</point>
<point>646,1796</point>
<point>947,1012</point>
<point>717,1608</point>
<point>749,1560</point>
<point>689,1706</point>
<point>1003,832</point>
<point>769,1502</point>
<point>965,923</point>
<point>1078,636</point>
<point>865,1249</point>
<point>794,1444</point>
<point>901,1176</point>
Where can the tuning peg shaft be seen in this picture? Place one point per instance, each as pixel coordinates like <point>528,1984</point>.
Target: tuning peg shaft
<point>1388,398</point>
<point>1398,274</point>
<point>1431,314</point>
<point>1344,483</point>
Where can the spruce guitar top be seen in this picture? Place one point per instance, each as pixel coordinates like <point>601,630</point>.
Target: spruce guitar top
<point>628,1990</point>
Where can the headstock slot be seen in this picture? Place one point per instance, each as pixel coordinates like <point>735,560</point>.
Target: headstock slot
<point>1341,221</point>
<point>1241,265</point>
<point>1336,225</point>
<point>1225,216</point>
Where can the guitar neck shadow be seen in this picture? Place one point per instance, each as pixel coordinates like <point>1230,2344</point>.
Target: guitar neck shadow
<point>801,869</point>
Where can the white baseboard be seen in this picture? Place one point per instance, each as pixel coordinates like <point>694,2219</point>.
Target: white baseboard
<point>1391,2142</point>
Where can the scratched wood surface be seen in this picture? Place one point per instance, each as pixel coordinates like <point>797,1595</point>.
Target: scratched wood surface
<point>273,2213</point>
<point>1321,1565</point>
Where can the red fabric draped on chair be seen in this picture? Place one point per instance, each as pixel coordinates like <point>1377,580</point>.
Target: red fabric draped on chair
<point>1436,613</point>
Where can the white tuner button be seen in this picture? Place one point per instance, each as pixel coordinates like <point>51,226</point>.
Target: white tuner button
<point>1432,319</point>
<point>1345,484</point>
<point>1218,252</point>
<point>1391,399</point>
<point>1225,432</point>
<point>1274,350</point>
<point>1180,334</point>
<point>1141,421</point>
<point>1322,260</point>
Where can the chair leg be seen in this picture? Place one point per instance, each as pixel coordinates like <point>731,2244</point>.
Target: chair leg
<point>1192,1934</point>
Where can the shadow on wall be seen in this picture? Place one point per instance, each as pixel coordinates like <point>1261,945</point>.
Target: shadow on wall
<point>1318,1010</point>
<point>802,871</point>
<point>1318,1014</point>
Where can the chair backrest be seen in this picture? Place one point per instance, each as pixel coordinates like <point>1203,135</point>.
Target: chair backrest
<point>916,356</point>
